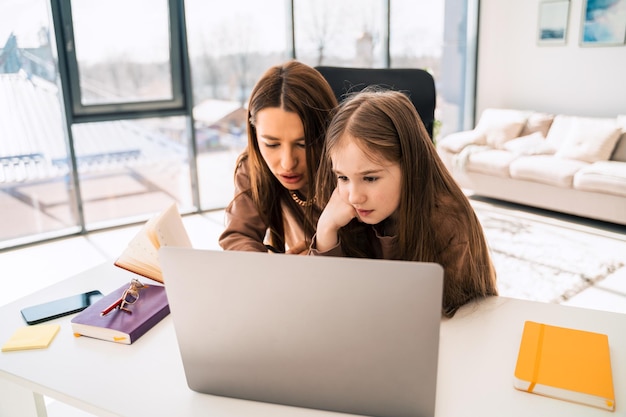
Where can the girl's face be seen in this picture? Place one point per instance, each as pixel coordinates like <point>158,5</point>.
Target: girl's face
<point>280,136</point>
<point>372,188</point>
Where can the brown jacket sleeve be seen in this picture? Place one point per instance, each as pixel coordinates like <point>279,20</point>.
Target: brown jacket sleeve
<point>334,251</point>
<point>245,230</point>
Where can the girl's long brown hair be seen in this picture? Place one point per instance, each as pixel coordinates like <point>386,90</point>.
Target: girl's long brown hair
<point>301,89</point>
<point>387,127</point>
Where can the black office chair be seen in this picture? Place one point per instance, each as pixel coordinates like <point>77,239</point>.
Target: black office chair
<point>416,83</point>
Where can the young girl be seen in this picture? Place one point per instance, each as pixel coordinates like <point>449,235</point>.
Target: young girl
<point>288,112</point>
<point>387,195</point>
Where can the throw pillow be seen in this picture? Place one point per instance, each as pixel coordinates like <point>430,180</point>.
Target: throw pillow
<point>538,122</point>
<point>533,144</point>
<point>501,125</point>
<point>455,142</point>
<point>561,128</point>
<point>590,139</point>
<point>619,153</point>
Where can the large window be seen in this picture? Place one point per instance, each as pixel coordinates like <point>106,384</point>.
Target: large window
<point>111,109</point>
<point>422,34</point>
<point>122,55</point>
<point>130,168</point>
<point>416,41</point>
<point>127,112</point>
<point>37,194</point>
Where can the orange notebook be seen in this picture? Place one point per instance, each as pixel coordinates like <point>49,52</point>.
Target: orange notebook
<point>568,364</point>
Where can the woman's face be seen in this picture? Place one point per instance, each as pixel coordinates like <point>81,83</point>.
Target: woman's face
<point>280,136</point>
<point>371,188</point>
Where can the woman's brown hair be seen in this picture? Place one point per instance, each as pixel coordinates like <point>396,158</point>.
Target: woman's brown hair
<point>301,89</point>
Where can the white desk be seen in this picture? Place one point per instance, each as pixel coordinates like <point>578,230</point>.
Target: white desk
<point>478,351</point>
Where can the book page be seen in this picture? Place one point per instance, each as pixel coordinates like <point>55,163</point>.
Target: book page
<point>141,255</point>
<point>170,230</point>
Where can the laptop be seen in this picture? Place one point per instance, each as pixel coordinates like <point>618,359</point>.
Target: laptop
<point>351,335</point>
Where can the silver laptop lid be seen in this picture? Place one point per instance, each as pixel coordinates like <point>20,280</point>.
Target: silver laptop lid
<point>342,334</point>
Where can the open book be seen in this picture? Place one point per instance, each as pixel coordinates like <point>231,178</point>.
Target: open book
<point>141,255</point>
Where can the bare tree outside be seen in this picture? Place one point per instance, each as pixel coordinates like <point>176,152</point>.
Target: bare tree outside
<point>344,33</point>
<point>210,74</point>
<point>323,27</point>
<point>239,44</point>
<point>123,79</point>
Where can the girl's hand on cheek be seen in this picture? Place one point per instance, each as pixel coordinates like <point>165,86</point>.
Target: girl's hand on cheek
<point>336,214</point>
<point>341,211</point>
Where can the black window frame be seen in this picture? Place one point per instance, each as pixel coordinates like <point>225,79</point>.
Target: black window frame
<point>179,104</point>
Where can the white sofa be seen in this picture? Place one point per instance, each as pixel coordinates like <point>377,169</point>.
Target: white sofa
<point>571,164</point>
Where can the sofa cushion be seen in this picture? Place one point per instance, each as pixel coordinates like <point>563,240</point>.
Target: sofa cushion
<point>587,139</point>
<point>538,122</point>
<point>501,125</point>
<point>546,169</point>
<point>492,162</point>
<point>533,144</point>
<point>455,142</point>
<point>603,176</point>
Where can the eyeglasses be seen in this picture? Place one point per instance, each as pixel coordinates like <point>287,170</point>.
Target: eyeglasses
<point>129,297</point>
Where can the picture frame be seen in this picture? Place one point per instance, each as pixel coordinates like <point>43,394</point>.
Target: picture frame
<point>603,23</point>
<point>553,22</point>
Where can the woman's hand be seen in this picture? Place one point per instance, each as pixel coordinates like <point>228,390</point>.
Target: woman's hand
<point>301,248</point>
<point>336,214</point>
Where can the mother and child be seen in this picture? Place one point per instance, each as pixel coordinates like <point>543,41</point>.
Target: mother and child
<point>360,179</point>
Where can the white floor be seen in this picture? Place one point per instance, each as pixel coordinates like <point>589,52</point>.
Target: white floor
<point>29,269</point>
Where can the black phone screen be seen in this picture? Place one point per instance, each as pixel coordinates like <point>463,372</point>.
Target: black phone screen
<point>59,308</point>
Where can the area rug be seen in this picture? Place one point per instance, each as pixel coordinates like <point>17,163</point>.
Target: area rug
<point>543,260</point>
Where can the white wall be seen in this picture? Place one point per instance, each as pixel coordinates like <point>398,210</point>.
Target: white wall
<point>515,72</point>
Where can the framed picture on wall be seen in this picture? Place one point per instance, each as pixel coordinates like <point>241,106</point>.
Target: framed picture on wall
<point>553,17</point>
<point>603,23</point>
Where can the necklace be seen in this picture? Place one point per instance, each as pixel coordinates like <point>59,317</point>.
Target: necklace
<point>300,201</point>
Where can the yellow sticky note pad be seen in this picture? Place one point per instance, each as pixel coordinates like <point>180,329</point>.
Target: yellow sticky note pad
<point>31,337</point>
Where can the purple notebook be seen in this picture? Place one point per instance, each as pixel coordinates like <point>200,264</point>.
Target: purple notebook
<point>119,326</point>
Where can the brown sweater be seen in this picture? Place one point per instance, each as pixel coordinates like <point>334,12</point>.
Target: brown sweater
<point>245,228</point>
<point>453,254</point>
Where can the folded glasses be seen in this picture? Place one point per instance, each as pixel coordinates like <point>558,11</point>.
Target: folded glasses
<point>128,298</point>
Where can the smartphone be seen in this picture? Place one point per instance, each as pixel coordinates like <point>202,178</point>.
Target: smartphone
<point>272,249</point>
<point>59,308</point>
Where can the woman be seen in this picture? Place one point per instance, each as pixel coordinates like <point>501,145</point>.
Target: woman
<point>388,195</point>
<point>288,112</point>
